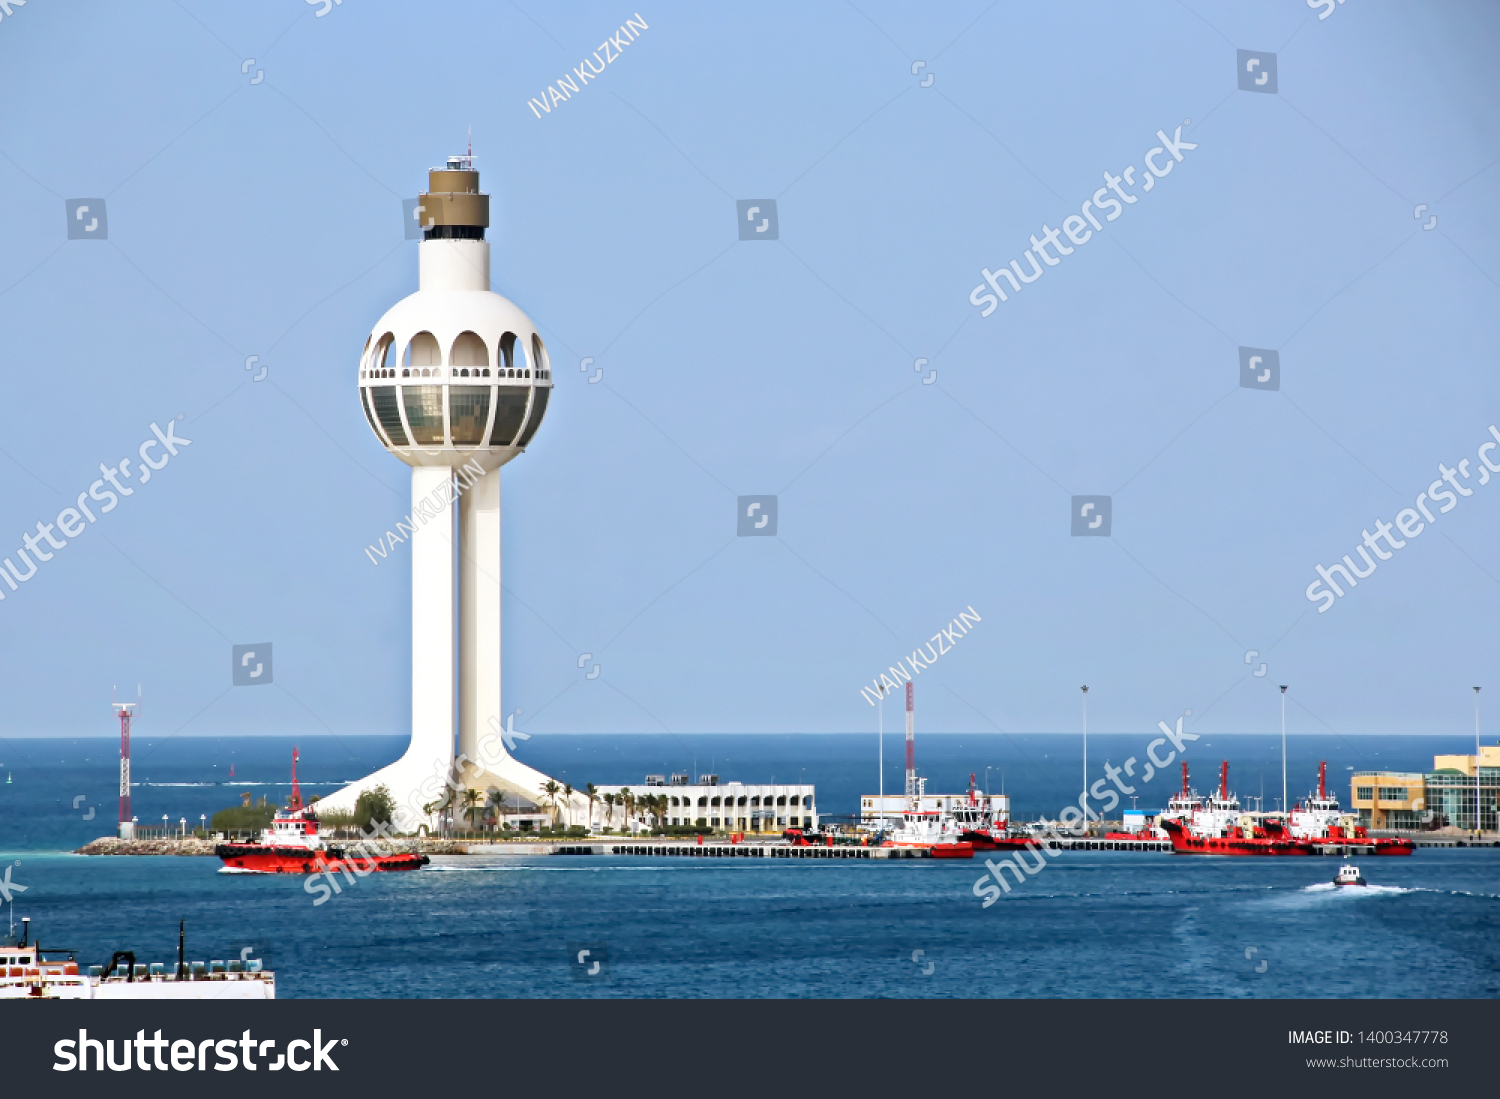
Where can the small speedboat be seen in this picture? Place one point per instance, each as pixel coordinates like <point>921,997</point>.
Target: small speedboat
<point>1349,875</point>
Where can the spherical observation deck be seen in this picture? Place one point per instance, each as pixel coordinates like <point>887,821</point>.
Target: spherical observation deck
<point>449,376</point>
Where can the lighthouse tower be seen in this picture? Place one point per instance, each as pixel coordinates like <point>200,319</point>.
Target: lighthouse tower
<point>454,381</point>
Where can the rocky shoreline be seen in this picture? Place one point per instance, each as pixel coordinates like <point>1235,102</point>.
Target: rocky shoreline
<point>109,845</point>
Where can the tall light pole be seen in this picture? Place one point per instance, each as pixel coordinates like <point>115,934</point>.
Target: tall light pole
<point>1085,798</point>
<point>1284,802</point>
<point>1478,818</point>
<point>880,803</point>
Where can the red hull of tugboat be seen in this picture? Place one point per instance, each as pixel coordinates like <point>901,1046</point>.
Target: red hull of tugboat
<point>986,841</point>
<point>1183,843</point>
<point>1365,846</point>
<point>262,859</point>
<point>953,850</point>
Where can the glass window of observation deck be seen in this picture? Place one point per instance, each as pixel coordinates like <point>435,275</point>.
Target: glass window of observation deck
<point>468,412</point>
<point>510,410</point>
<point>364,403</point>
<point>424,413</point>
<point>383,397</point>
<point>539,409</point>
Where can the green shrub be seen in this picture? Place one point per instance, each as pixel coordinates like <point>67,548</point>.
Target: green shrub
<point>243,818</point>
<point>377,804</point>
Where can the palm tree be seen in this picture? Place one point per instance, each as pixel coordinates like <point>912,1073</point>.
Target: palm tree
<point>550,790</point>
<point>629,801</point>
<point>497,801</point>
<point>568,801</point>
<point>609,815</point>
<point>592,793</point>
<point>472,799</point>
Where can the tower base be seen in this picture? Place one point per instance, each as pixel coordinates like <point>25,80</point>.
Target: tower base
<point>423,786</point>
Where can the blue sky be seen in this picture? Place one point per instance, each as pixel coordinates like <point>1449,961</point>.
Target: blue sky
<point>263,219</point>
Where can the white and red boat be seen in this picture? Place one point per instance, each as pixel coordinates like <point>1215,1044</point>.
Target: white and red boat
<point>938,832</point>
<point>984,830</point>
<point>941,833</point>
<point>27,973</point>
<point>1321,822</point>
<point>293,845</point>
<point>1215,825</point>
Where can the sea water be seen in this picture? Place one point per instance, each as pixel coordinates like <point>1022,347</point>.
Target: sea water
<point>1094,924</point>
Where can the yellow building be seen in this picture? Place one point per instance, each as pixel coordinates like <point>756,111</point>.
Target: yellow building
<point>1445,796</point>
<point>1389,799</point>
<point>1489,756</point>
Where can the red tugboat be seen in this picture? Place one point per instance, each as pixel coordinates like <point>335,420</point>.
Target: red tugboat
<point>984,833</point>
<point>1216,827</point>
<point>1320,821</point>
<point>292,845</point>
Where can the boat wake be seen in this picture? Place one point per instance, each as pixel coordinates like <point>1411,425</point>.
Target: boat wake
<point>1359,890</point>
<point>238,870</point>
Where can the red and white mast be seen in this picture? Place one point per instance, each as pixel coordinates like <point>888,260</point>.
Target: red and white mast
<point>296,790</point>
<point>127,821</point>
<point>913,789</point>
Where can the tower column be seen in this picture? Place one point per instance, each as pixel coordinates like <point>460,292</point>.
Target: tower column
<point>432,627</point>
<point>479,614</point>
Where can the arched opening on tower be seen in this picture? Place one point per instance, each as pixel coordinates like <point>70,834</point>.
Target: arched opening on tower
<point>380,359</point>
<point>539,360</point>
<point>422,354</point>
<point>467,355</point>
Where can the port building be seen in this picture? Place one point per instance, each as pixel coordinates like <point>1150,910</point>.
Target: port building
<point>708,803</point>
<point>1444,796</point>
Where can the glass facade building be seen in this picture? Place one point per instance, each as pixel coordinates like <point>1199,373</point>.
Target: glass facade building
<point>1442,798</point>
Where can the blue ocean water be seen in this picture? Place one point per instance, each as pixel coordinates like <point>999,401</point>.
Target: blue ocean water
<point>1092,924</point>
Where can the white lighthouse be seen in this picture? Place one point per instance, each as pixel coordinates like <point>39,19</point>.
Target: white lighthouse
<point>454,381</point>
